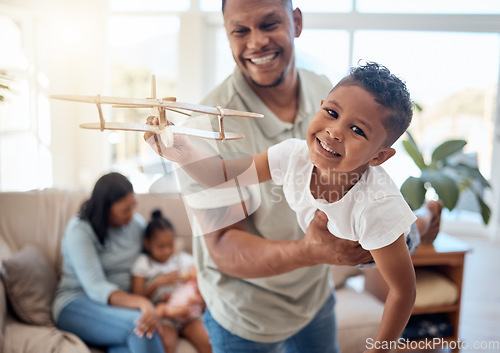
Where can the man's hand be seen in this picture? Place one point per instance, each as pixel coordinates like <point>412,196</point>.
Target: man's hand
<point>322,247</point>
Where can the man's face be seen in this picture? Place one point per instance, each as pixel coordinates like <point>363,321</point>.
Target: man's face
<point>261,35</point>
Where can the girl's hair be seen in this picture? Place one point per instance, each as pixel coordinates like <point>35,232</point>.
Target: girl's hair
<point>157,222</point>
<point>109,189</point>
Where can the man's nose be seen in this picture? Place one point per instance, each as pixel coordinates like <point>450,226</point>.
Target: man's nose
<point>258,39</point>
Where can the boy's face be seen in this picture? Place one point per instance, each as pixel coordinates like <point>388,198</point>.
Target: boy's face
<point>261,35</point>
<point>347,133</point>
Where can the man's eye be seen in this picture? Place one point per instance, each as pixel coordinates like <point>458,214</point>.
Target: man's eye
<point>270,26</point>
<point>239,31</point>
<point>358,131</point>
<point>333,113</point>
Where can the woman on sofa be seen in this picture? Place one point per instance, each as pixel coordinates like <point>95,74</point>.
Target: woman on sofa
<point>93,298</point>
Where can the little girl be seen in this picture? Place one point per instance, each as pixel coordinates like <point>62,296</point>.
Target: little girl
<point>168,278</point>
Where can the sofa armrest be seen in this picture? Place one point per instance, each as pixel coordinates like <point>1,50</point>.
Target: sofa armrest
<point>3,314</point>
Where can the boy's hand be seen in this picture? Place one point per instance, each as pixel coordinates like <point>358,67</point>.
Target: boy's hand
<point>323,247</point>
<point>180,149</point>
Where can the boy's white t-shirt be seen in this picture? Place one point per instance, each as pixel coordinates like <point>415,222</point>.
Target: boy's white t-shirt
<point>373,212</point>
<point>145,266</point>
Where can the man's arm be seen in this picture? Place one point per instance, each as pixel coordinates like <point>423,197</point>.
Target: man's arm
<point>241,254</point>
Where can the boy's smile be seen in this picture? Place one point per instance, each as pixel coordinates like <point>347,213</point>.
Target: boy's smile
<point>347,134</point>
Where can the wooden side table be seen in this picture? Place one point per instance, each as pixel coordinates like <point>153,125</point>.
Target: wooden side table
<point>446,256</point>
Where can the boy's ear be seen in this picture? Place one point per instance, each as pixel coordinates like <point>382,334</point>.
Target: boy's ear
<point>382,155</point>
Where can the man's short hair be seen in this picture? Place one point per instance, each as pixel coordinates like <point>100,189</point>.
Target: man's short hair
<point>289,2</point>
<point>388,91</point>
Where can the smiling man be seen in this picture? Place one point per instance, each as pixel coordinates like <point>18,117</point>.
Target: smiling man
<point>264,292</point>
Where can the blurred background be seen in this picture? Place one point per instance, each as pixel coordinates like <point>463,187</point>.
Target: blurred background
<point>447,51</point>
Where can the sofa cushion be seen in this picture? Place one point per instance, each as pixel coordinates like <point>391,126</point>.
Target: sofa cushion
<point>434,289</point>
<point>3,314</point>
<point>30,282</point>
<point>23,338</point>
<point>358,316</point>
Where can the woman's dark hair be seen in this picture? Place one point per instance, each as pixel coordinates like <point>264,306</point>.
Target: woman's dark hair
<point>109,189</point>
<point>157,222</point>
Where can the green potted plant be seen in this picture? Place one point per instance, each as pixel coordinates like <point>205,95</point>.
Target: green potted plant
<point>445,175</point>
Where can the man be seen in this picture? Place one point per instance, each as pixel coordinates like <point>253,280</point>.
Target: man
<point>267,292</point>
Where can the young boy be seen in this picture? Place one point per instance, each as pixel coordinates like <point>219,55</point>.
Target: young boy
<point>337,170</point>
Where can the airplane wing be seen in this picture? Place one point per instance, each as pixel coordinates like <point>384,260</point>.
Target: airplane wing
<point>153,102</point>
<point>183,130</point>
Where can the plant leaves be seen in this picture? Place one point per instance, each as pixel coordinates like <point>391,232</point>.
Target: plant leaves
<point>445,186</point>
<point>446,149</point>
<point>472,172</point>
<point>485,209</point>
<point>418,107</point>
<point>414,191</point>
<point>415,154</point>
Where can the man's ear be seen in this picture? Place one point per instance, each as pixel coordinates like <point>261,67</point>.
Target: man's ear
<point>382,155</point>
<point>297,22</point>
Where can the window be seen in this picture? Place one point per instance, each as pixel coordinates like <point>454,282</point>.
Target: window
<point>148,5</point>
<point>430,6</point>
<point>455,87</point>
<point>140,47</point>
<point>25,159</point>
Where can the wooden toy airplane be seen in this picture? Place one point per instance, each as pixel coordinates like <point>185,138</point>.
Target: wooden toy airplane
<point>159,107</point>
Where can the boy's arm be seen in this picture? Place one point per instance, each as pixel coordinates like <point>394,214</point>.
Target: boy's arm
<point>396,268</point>
<point>207,168</point>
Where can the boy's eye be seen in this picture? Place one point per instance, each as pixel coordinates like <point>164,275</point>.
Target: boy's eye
<point>333,113</point>
<point>358,131</point>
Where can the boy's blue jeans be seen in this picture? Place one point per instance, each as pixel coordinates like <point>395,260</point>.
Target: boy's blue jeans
<point>319,336</point>
<point>106,325</point>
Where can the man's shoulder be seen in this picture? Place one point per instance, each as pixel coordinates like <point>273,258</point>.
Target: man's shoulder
<point>223,94</point>
<point>310,76</point>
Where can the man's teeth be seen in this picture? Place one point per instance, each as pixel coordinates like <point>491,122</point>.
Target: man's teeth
<point>263,60</point>
<point>325,147</point>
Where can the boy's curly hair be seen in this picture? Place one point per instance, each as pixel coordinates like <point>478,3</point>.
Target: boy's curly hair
<point>388,91</point>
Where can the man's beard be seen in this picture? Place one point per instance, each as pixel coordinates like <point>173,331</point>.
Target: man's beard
<point>274,84</point>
